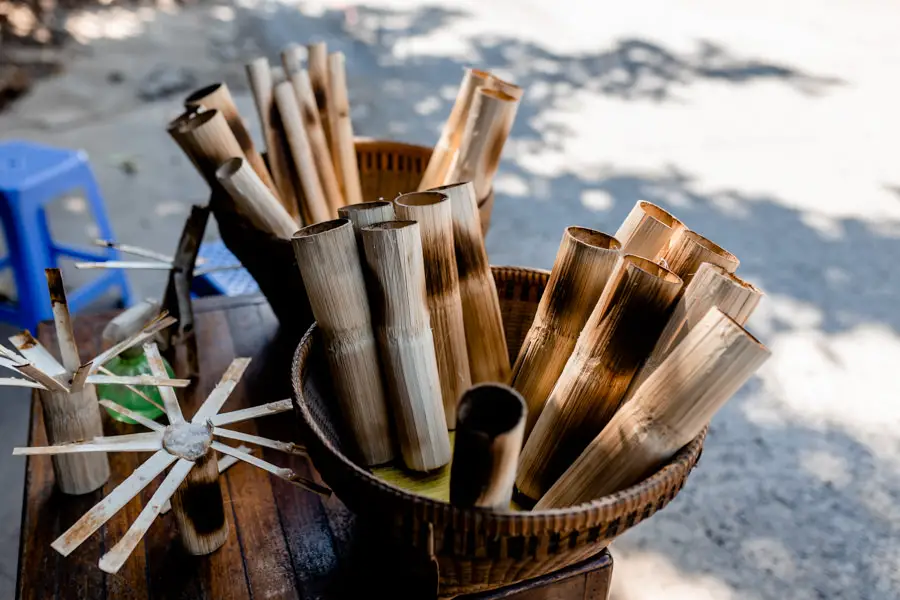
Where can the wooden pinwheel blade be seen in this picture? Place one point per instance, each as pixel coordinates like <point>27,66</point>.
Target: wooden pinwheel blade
<point>68,349</point>
<point>288,447</point>
<point>113,503</point>
<point>17,382</point>
<point>134,250</point>
<point>208,270</point>
<point>254,412</point>
<point>159,323</point>
<point>144,435</point>
<point>37,354</point>
<point>51,383</point>
<point>136,416</point>
<point>108,445</point>
<point>125,264</point>
<point>158,368</point>
<point>223,389</point>
<point>135,391</point>
<point>138,380</point>
<point>282,472</point>
<point>113,560</point>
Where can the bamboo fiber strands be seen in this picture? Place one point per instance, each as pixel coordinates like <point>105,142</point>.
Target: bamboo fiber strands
<point>433,212</point>
<point>207,140</point>
<point>343,147</point>
<point>688,250</point>
<point>584,263</point>
<point>671,408</point>
<point>393,253</point>
<point>252,198</point>
<point>485,338</point>
<point>330,267</point>
<point>217,96</point>
<point>647,230</point>
<point>490,426</point>
<point>618,336</point>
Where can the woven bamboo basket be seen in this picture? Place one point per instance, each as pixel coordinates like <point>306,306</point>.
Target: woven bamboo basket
<point>386,170</point>
<point>476,549</point>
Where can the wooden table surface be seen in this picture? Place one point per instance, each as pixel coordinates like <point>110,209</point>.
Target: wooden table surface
<point>284,542</point>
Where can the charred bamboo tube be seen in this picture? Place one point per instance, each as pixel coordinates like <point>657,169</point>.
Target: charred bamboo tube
<point>253,199</point>
<point>489,431</point>
<point>487,128</point>
<point>393,253</point>
<point>364,214</point>
<point>317,62</point>
<point>343,147</point>
<point>584,263</point>
<point>647,230</point>
<point>485,337</point>
<point>451,135</point>
<point>618,336</point>
<point>318,140</point>
<point>208,140</point>
<point>217,96</point>
<point>199,508</point>
<point>433,212</point>
<point>313,206</point>
<point>330,266</point>
<point>712,286</point>
<point>259,74</point>
<point>670,409</point>
<point>688,250</point>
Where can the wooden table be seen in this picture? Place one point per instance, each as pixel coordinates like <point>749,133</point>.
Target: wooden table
<point>283,543</point>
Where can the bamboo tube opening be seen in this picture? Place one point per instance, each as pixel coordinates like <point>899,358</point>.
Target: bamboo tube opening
<point>421,198</point>
<point>362,207</point>
<point>593,238</point>
<point>229,167</point>
<point>510,89</point>
<point>663,216</point>
<point>195,97</point>
<point>198,119</point>
<point>490,412</point>
<point>651,268</point>
<point>320,228</point>
<point>709,245</point>
<point>177,125</point>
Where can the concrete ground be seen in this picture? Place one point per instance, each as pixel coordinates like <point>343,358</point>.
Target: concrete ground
<point>770,127</point>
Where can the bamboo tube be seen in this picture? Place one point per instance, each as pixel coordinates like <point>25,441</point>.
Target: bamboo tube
<point>490,427</point>
<point>208,141</point>
<point>343,147</point>
<point>292,59</point>
<point>330,267</point>
<point>485,337</point>
<point>314,206</point>
<point>712,286</point>
<point>199,508</point>
<point>451,135</point>
<point>217,96</point>
<point>434,213</point>
<point>688,250</point>
<point>253,199</point>
<point>394,256</point>
<point>317,62</point>
<point>487,128</point>
<point>260,75</point>
<point>508,88</point>
<point>584,263</point>
<point>669,410</point>
<point>317,139</point>
<point>364,214</point>
<point>618,336</point>
<point>647,230</point>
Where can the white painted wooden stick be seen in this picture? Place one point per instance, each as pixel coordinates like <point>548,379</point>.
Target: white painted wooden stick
<point>133,415</point>
<point>148,445</point>
<point>127,265</point>
<point>245,414</point>
<point>138,251</point>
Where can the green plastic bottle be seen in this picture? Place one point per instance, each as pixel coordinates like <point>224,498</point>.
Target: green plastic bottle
<point>132,362</point>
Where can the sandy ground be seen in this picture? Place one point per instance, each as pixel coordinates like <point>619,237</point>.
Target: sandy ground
<point>768,126</point>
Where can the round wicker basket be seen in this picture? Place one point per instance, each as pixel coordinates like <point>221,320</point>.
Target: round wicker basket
<point>476,549</point>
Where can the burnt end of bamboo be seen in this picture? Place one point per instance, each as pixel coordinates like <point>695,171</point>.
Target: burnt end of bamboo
<point>199,508</point>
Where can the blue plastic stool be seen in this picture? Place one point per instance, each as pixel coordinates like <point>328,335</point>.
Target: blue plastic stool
<point>31,177</point>
<point>233,282</point>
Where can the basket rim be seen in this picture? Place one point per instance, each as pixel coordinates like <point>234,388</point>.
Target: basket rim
<point>587,514</point>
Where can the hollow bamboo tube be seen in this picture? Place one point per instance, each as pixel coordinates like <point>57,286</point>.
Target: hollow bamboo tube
<point>451,135</point>
<point>364,214</point>
<point>174,130</point>
<point>317,139</point>
<point>394,256</point>
<point>433,212</point>
<point>259,74</point>
<point>669,410</point>
<point>618,336</point>
<point>343,147</point>
<point>329,264</point>
<point>485,338</point>
<point>314,206</point>
<point>584,263</point>
<point>199,508</point>
<point>208,140</point>
<point>489,431</point>
<point>253,199</point>
<point>317,62</point>
<point>217,96</point>
<point>487,128</point>
<point>508,88</point>
<point>292,59</point>
<point>712,286</point>
<point>688,250</point>
<point>647,230</point>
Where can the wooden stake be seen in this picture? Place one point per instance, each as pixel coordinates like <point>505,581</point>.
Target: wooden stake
<point>317,61</point>
<point>490,427</point>
<point>688,250</point>
<point>364,214</point>
<point>254,200</point>
<point>485,337</point>
<point>393,253</point>
<point>669,410</point>
<point>329,264</point>
<point>434,214</point>
<point>584,263</point>
<point>217,96</point>
<point>343,147</point>
<point>647,230</point>
<point>314,206</point>
<point>451,135</point>
<point>68,349</point>
<point>199,508</point>
<point>261,85</point>
<point>208,140</point>
<point>318,140</point>
<point>618,336</point>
